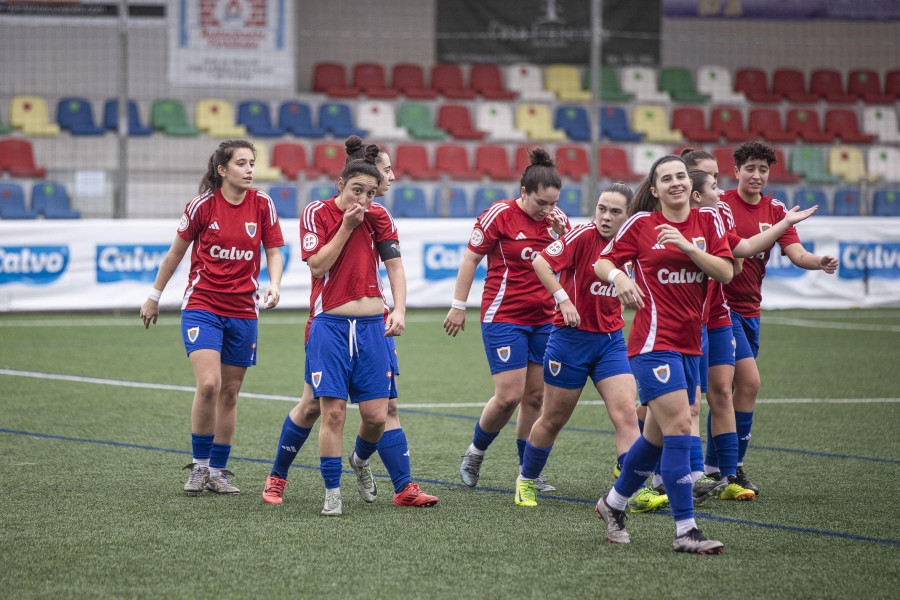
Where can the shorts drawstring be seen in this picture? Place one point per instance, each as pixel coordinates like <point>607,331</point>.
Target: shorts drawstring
<point>352,338</point>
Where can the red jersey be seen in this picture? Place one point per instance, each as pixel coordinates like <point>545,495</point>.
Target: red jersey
<point>573,257</point>
<point>511,240</point>
<point>745,291</point>
<point>674,286</point>
<point>716,310</point>
<point>225,258</point>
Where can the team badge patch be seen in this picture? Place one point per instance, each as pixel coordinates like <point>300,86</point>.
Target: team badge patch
<point>764,226</point>
<point>556,248</point>
<point>629,269</point>
<point>193,332</point>
<point>250,228</point>
<point>317,378</point>
<point>555,366</point>
<point>700,242</point>
<point>309,241</point>
<point>552,233</point>
<point>503,353</point>
<point>477,237</point>
<point>662,373</point>
<point>183,223</point>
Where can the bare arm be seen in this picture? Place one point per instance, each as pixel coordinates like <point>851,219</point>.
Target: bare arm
<point>150,308</point>
<point>758,243</point>
<point>718,268</point>
<point>548,277</point>
<point>627,291</point>
<point>320,262</point>
<point>456,318</point>
<point>396,321</point>
<point>275,263</point>
<point>809,261</point>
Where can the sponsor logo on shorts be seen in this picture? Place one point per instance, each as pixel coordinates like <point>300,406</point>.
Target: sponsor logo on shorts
<point>700,242</point>
<point>503,353</point>
<point>309,241</point>
<point>317,378</point>
<point>477,237</point>
<point>193,332</point>
<point>662,373</point>
<point>250,228</point>
<point>556,248</point>
<point>554,365</point>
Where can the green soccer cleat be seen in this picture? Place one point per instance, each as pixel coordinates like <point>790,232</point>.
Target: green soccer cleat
<point>732,490</point>
<point>744,482</point>
<point>526,492</point>
<point>646,500</point>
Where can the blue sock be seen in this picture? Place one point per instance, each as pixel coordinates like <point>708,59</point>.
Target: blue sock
<point>744,421</point>
<point>218,457</point>
<point>534,460</point>
<point>727,453</point>
<point>394,453</point>
<point>620,461</point>
<point>696,454</point>
<point>364,449</point>
<point>639,461</point>
<point>292,438</point>
<point>676,474</point>
<point>711,449</point>
<point>482,439</point>
<point>330,467</point>
<point>201,445</point>
<point>520,446</point>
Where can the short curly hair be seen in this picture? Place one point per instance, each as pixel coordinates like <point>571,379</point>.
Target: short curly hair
<point>752,151</point>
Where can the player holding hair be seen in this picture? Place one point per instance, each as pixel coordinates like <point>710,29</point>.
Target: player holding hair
<point>227,222</point>
<point>516,310</point>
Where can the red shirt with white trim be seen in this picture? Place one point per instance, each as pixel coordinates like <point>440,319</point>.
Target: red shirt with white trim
<point>716,310</point>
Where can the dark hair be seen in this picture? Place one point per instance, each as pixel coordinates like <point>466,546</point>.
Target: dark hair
<point>699,180</point>
<point>618,187</point>
<point>541,172</point>
<point>752,151</point>
<point>355,148</point>
<point>212,180</point>
<point>364,166</point>
<point>644,200</point>
<point>692,157</point>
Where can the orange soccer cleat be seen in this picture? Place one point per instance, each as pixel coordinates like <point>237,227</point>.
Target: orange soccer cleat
<point>274,491</point>
<point>411,495</point>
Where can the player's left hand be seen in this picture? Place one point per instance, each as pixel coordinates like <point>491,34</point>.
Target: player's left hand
<point>829,264</point>
<point>271,296</point>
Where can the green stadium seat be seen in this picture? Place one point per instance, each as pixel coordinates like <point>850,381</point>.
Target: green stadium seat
<point>170,117</point>
<point>419,122</point>
<point>678,83</point>
<point>809,163</point>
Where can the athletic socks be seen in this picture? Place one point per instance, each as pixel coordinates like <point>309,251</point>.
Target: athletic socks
<point>684,525</point>
<point>726,448</point>
<point>482,439</point>
<point>394,453</point>
<point>520,447</point>
<point>292,439</point>
<point>218,458</point>
<point>201,447</point>
<point>364,449</point>
<point>639,461</point>
<point>744,422</point>
<point>696,457</point>
<point>711,460</point>
<point>330,468</point>
<point>534,460</point>
<point>675,466</point>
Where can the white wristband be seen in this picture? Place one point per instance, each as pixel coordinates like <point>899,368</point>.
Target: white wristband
<point>560,296</point>
<point>155,294</point>
<point>458,304</point>
<point>613,274</point>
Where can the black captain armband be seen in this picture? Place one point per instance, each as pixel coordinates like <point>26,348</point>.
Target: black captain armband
<point>388,249</point>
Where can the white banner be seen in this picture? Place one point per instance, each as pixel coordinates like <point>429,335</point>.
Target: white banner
<point>243,43</point>
<point>111,264</point>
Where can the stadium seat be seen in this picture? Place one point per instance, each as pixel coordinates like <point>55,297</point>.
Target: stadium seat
<point>779,194</point>
<point>12,202</point>
<point>677,82</point>
<point>170,117</point>
<point>610,91</point>
<point>453,160</point>
<point>806,197</point>
<point>485,196</point>
<point>321,192</point>
<point>51,199</point>
<point>295,117</point>
<point>369,78</point>
<point>614,125</point>
<point>753,83</point>
<point>642,82</point>
<point>379,118</point>
<point>496,118</point>
<point>216,117</point>
<point>5,128</point>
<point>881,121</point>
<point>570,201</point>
<point>778,171</point>
<point>846,202</point>
<point>886,203</point>
<point>842,123</point>
<point>290,158</point>
<point>328,159</point>
<point>447,80</point>
<point>416,118</point>
<point>884,163</point>
<point>644,155</point>
<point>493,161</point>
<point>724,156</point>
<point>409,80</point>
<point>410,203</point>
<point>728,122</point>
<point>528,82</point>
<point>453,202</point>
<point>809,163</point>
<point>285,199</point>
<point>652,121</point>
<point>336,118</point>
<point>457,120</point>
<point>847,162</point>
<point>17,158</point>
<point>111,118</point>
<point>535,121</point>
<point>487,82</point>
<point>521,159</point>
<point>863,84</point>
<point>715,82</point>
<point>805,123</point>
<point>256,117</point>
<point>30,114</point>
<point>564,81</point>
<point>692,124</point>
<point>613,163</point>
<point>262,167</point>
<point>891,84</point>
<point>765,123</point>
<point>790,85</point>
<point>331,79</point>
<point>574,121</point>
<point>411,160</point>
<point>572,162</point>
<point>826,83</point>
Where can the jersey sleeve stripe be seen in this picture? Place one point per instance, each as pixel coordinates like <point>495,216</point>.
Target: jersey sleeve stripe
<point>196,203</point>
<point>720,227</point>
<point>273,216</point>
<point>309,215</point>
<point>570,237</point>
<point>492,213</point>
<point>634,218</point>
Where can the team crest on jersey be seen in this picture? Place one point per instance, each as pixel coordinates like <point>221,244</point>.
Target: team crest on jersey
<point>629,269</point>
<point>554,366</point>
<point>764,226</point>
<point>477,237</point>
<point>700,242</point>
<point>309,241</point>
<point>193,332</point>
<point>662,373</point>
<point>250,228</point>
<point>503,353</point>
<point>552,233</point>
<point>317,378</point>
<point>556,248</point>
<point>183,223</point>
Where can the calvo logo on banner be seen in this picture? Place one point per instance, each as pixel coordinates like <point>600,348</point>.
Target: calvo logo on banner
<point>33,265</point>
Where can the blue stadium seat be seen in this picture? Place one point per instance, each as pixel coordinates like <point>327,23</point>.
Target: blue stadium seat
<point>570,201</point>
<point>779,194</point>
<point>485,196</point>
<point>410,202</point>
<point>886,203</point>
<point>453,202</point>
<point>52,200</point>
<point>321,192</point>
<point>296,117</point>
<point>12,202</point>
<point>574,121</point>
<point>285,199</point>
<point>255,116</point>
<point>77,116</point>
<point>846,202</point>
<point>111,118</point>
<point>806,197</point>
<point>336,118</point>
<point>614,125</point>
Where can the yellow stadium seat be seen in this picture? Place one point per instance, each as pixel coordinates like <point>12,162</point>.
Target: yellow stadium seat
<point>652,121</point>
<point>564,81</point>
<point>535,120</point>
<point>262,168</point>
<point>847,161</point>
<point>29,113</point>
<point>216,117</point>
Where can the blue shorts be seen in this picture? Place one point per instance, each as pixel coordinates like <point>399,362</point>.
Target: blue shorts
<point>509,346</point>
<point>395,364</point>
<point>718,349</point>
<point>658,373</point>
<point>573,354</point>
<point>746,336</point>
<point>233,338</point>
<point>348,358</point>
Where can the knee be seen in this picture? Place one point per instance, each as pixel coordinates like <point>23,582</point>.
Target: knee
<point>208,388</point>
<point>748,385</point>
<point>333,417</point>
<point>392,409</point>
<point>308,413</point>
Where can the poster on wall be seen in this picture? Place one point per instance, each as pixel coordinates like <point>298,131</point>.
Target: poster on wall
<point>231,43</point>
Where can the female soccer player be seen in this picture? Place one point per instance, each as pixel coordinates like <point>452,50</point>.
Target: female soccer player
<point>516,310</point>
<point>586,339</point>
<point>673,249</point>
<point>226,223</point>
<point>392,447</point>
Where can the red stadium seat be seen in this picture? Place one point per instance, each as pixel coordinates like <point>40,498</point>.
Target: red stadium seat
<point>754,84</point>
<point>409,80</point>
<point>778,171</point>
<point>493,161</point>
<point>725,159</point>
<point>892,84</point>
<point>411,160</point>
<point>290,157</point>
<point>331,78</point>
<point>521,159</point>
<point>572,162</point>
<point>328,159</point>
<point>613,163</point>
<point>843,123</point>
<point>728,122</point>
<point>17,157</point>
<point>457,119</point>
<point>805,123</point>
<point>370,79</point>
<point>864,85</point>
<point>486,80</point>
<point>789,84</point>
<point>766,123</point>
<point>692,124</point>
<point>447,80</point>
<point>453,160</point>
<point>826,83</point>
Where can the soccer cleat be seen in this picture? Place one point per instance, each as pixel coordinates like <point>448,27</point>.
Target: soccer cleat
<point>617,470</point>
<point>221,483</point>
<point>707,487</point>
<point>197,480</point>
<point>744,482</point>
<point>526,492</point>
<point>647,499</point>
<point>411,495</point>
<point>333,504</point>
<point>615,522</point>
<point>542,485</point>
<point>273,493</point>
<point>660,489</point>
<point>694,542</point>
<point>365,482</point>
<point>470,468</point>
<point>732,490</point>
